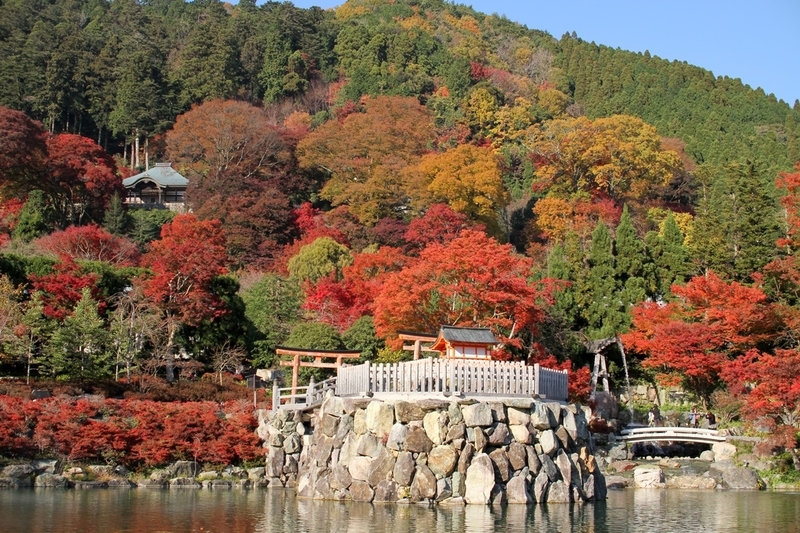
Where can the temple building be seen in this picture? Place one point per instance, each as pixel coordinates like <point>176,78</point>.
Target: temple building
<point>160,186</point>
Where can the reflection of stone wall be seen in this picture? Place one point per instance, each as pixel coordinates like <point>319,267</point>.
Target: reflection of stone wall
<point>515,451</point>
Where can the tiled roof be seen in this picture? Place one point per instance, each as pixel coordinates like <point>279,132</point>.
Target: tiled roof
<point>162,174</point>
<point>468,335</point>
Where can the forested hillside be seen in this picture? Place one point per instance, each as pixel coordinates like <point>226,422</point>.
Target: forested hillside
<point>387,165</point>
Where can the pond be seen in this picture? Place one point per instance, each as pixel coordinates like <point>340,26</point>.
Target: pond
<point>278,511</point>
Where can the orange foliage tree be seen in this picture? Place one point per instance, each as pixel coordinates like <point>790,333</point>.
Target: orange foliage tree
<point>693,338</point>
<point>470,281</point>
<point>342,302</point>
<point>620,156</point>
<point>365,152</point>
<point>80,180</point>
<point>770,384</point>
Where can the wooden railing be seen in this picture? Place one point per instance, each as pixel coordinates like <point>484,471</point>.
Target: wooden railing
<point>301,397</point>
<point>666,433</point>
<point>453,376</point>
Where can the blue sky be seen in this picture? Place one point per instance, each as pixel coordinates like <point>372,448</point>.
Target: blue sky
<point>756,41</point>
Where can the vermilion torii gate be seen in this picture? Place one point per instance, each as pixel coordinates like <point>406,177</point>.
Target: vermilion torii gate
<point>321,359</point>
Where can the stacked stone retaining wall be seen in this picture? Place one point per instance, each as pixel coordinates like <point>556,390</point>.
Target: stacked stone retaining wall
<point>445,451</point>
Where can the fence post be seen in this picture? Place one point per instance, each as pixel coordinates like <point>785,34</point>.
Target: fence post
<point>536,379</point>
<point>276,396</point>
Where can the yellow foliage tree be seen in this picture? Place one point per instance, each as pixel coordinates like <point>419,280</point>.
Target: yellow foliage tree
<point>467,178</point>
<point>620,156</point>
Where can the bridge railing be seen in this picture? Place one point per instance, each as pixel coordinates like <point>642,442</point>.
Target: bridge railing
<point>668,433</point>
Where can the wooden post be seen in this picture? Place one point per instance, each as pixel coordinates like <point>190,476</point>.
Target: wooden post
<point>276,399</point>
<point>295,372</point>
<point>417,348</point>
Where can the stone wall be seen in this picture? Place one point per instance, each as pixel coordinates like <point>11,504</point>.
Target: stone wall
<point>514,451</point>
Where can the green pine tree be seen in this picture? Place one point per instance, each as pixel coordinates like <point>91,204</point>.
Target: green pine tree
<point>632,265</point>
<point>116,220</point>
<point>35,218</point>
<point>79,348</point>
<point>601,304</point>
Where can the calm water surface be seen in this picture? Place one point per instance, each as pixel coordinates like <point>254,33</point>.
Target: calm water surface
<point>278,511</point>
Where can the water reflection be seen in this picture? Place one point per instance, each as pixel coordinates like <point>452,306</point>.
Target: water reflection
<point>278,511</point>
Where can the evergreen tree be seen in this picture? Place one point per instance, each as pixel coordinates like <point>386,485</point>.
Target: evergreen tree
<point>601,305</point>
<point>736,224</point>
<point>632,265</point>
<point>35,219</point>
<point>116,220</point>
<point>361,336</point>
<point>670,258</point>
<point>79,348</point>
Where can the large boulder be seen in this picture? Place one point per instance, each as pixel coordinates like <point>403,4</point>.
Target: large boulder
<point>480,481</point>
<point>51,480</point>
<point>549,442</point>
<point>517,490</point>
<point>360,491</point>
<point>380,418</point>
<point>477,414</point>
<point>397,437</point>
<point>406,412</point>
<point>359,468</point>
<point>435,424</point>
<point>386,491</point>
<point>501,464</point>
<point>517,456</point>
<point>423,487</point>
<point>184,469</point>
<point>417,440</point>
<point>691,482</point>
<point>542,418</point>
<point>381,468</point>
<point>540,486</point>
<point>648,478</point>
<point>723,451</point>
<point>442,461</point>
<point>735,477</point>
<point>559,492</point>
<point>404,467</point>
<point>18,471</point>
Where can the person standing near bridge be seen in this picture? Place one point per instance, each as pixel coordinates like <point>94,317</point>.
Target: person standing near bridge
<point>712,420</point>
<point>694,417</point>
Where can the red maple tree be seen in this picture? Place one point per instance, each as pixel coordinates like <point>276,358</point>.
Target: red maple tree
<point>91,243</point>
<point>189,255</point>
<point>471,281</point>
<point>81,178</point>
<point>693,338</point>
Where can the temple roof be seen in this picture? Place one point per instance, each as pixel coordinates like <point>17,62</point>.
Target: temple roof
<point>162,175</point>
<point>456,335</point>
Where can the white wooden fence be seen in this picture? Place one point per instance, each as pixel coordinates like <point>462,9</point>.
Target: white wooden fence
<point>453,376</point>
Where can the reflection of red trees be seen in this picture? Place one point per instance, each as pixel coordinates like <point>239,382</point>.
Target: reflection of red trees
<point>130,432</point>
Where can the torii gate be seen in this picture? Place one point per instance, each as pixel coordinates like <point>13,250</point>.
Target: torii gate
<point>418,339</point>
<point>318,355</point>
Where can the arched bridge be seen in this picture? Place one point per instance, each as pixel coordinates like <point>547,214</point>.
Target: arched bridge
<point>681,434</point>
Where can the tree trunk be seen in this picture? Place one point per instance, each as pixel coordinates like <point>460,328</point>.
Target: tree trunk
<point>147,153</point>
